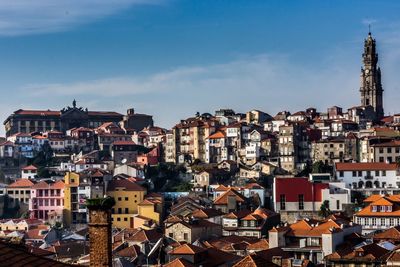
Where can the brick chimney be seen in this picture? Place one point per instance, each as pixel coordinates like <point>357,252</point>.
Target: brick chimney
<point>100,231</point>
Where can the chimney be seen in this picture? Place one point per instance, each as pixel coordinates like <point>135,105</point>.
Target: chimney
<point>100,231</point>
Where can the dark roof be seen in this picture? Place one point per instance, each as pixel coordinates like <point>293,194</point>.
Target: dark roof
<point>15,255</point>
<point>128,185</point>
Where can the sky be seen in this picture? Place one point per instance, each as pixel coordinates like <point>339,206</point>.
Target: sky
<point>173,58</point>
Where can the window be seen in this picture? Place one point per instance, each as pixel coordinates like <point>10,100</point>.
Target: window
<point>389,150</point>
<point>118,219</point>
<point>381,159</point>
<point>119,210</point>
<point>301,202</point>
<point>376,173</point>
<point>359,173</point>
<point>126,198</point>
<point>383,173</point>
<point>354,173</point>
<point>341,173</point>
<point>171,235</point>
<point>283,202</point>
<point>126,210</point>
<point>373,221</point>
<point>389,159</point>
<point>125,219</point>
<point>185,236</point>
<point>391,222</point>
<point>338,204</point>
<point>119,199</point>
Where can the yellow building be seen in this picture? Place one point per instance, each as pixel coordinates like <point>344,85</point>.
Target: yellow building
<point>71,181</point>
<point>127,197</point>
<point>149,212</point>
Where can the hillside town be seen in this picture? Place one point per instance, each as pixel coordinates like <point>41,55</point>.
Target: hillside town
<point>297,188</point>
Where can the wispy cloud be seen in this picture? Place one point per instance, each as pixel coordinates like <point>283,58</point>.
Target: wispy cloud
<point>268,82</point>
<point>20,17</point>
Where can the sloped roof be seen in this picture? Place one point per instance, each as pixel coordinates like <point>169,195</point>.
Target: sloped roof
<point>18,256</point>
<point>123,183</point>
<point>30,168</point>
<point>223,199</point>
<point>391,233</point>
<point>187,249</point>
<point>217,135</point>
<point>179,262</point>
<point>365,166</point>
<point>21,183</point>
<point>253,261</point>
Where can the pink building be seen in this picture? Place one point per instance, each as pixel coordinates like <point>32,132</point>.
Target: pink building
<point>47,201</point>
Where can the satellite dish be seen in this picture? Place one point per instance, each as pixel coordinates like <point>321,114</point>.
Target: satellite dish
<point>123,161</point>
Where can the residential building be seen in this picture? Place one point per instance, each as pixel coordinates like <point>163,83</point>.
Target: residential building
<point>381,213</point>
<point>257,117</point>
<point>190,137</point>
<point>297,198</point>
<point>29,172</point>
<point>248,223</point>
<point>312,239</point>
<point>338,149</point>
<point>191,230</point>
<point>386,151</point>
<point>47,201</point>
<point>19,192</point>
<point>127,197</point>
<point>369,177</point>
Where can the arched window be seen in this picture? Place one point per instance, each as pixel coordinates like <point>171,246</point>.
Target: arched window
<point>360,184</point>
<point>376,184</point>
<point>368,184</point>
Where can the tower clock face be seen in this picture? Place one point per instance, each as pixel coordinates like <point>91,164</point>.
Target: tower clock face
<point>367,71</point>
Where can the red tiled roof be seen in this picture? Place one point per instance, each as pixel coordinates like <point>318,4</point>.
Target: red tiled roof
<point>217,135</point>
<point>223,199</point>
<point>187,249</point>
<point>21,183</point>
<point>38,112</point>
<point>123,143</point>
<point>30,168</point>
<point>46,185</point>
<point>365,166</point>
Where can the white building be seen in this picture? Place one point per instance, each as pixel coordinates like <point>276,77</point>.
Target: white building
<point>369,177</point>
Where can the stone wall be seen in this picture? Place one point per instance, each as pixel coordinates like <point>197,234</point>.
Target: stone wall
<point>100,237</point>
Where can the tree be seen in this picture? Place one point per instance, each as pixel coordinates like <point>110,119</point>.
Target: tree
<point>318,167</point>
<point>324,210</point>
<point>183,187</point>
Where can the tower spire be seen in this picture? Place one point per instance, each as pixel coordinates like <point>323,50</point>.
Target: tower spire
<point>371,87</point>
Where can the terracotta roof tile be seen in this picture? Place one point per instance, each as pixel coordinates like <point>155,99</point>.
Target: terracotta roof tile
<point>21,183</point>
<point>187,249</point>
<point>365,166</point>
<point>223,199</point>
<point>30,168</point>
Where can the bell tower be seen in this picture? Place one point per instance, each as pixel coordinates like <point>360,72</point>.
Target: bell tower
<point>370,77</point>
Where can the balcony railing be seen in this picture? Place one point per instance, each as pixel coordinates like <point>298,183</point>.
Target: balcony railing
<point>368,177</point>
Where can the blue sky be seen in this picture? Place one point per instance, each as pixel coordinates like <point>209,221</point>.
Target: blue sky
<point>174,58</point>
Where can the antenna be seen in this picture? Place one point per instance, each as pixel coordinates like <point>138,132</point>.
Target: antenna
<point>369,28</point>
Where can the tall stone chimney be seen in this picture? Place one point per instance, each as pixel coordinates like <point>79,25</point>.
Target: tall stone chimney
<point>100,231</point>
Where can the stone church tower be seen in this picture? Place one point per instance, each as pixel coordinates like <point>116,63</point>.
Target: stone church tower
<point>371,87</point>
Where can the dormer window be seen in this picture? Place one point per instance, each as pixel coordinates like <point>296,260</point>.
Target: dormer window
<point>374,208</point>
